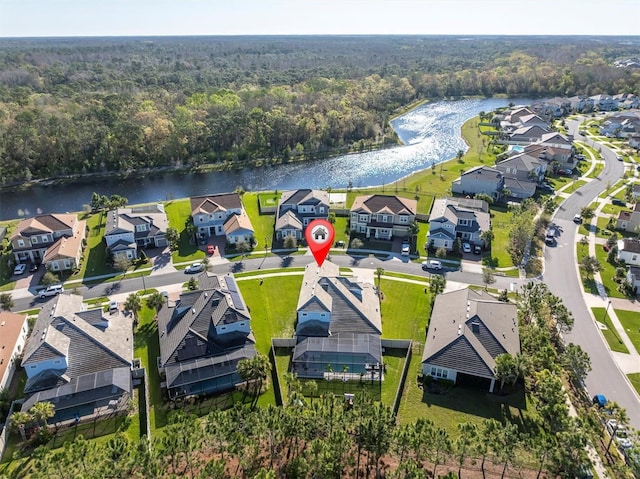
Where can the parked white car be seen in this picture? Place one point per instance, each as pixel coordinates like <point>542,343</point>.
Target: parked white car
<point>194,268</point>
<point>19,269</point>
<point>620,434</point>
<point>432,264</point>
<point>52,290</point>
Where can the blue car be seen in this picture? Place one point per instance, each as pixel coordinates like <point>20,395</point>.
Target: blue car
<point>600,400</point>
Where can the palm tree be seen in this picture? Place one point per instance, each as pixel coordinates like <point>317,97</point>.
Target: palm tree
<point>41,411</point>
<point>255,369</point>
<point>155,301</point>
<point>6,301</point>
<point>379,273</point>
<point>133,304</point>
<point>18,422</point>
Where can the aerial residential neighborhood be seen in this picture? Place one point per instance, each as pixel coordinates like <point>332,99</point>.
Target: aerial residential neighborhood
<point>474,317</point>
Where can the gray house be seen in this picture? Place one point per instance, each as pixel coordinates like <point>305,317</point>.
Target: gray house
<point>203,336</point>
<point>78,359</point>
<point>479,180</point>
<point>522,172</point>
<point>467,331</point>
<point>129,229</point>
<point>453,218</point>
<point>338,327</point>
<point>297,209</point>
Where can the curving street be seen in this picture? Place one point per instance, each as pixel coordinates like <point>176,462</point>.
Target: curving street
<point>562,277</point>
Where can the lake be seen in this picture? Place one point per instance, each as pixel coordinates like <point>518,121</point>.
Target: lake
<point>430,133</point>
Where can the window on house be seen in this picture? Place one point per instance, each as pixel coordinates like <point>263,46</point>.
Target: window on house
<point>44,238</point>
<point>33,367</point>
<point>321,209</point>
<point>201,219</point>
<point>20,242</point>
<point>403,219</point>
<point>34,240</point>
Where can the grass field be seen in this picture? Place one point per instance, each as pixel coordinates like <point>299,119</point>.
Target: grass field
<point>610,334</point>
<point>635,381</point>
<point>631,323</point>
<point>500,223</point>
<point>177,213</point>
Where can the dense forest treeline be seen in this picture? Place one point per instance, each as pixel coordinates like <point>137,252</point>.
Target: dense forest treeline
<point>78,106</point>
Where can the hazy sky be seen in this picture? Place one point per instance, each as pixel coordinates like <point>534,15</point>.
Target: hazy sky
<point>245,17</point>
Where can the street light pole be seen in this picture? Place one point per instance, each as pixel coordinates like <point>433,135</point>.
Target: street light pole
<point>606,312</point>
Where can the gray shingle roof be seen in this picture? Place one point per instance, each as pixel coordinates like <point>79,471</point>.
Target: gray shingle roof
<point>124,220</point>
<point>468,329</point>
<point>89,344</point>
<point>354,307</point>
<point>188,329</point>
<point>344,344</point>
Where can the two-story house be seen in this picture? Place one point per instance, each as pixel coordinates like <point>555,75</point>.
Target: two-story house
<point>453,218</point>
<point>526,135</point>
<point>222,215</point>
<point>382,217</point>
<point>61,233</point>
<point>629,251</point>
<point>14,331</point>
<point>581,103</point>
<point>297,208</point>
<point>629,220</point>
<point>129,229</point>
<point>522,172</point>
<point>338,327</point>
<point>604,102</point>
<point>203,336</point>
<point>479,180</point>
<point>78,359</point>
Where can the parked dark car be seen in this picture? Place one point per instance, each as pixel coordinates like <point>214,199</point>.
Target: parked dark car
<point>618,202</point>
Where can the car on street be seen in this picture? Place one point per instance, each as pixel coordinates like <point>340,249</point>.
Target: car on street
<point>19,269</point>
<point>405,249</point>
<point>577,218</point>
<point>113,306</point>
<point>618,202</point>
<point>620,434</point>
<point>600,400</point>
<point>477,249</point>
<point>339,244</point>
<point>619,158</point>
<point>194,268</point>
<point>52,290</point>
<point>466,248</point>
<point>432,264</point>
<point>211,249</point>
<point>550,236</point>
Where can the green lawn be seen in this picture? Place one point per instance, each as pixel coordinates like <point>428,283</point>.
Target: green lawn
<point>631,323</point>
<point>610,334</point>
<point>178,211</point>
<point>635,381</point>
<point>147,348</point>
<point>607,273</point>
<point>574,186</point>
<point>263,225</point>
<point>500,224</point>
<point>436,182</point>
<point>95,254</point>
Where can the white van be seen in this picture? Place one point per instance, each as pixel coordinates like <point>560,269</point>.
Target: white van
<point>51,290</point>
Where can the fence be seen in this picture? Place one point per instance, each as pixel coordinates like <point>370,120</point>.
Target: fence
<point>4,434</point>
<point>407,361</point>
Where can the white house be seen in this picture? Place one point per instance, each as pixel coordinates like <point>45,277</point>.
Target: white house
<point>629,251</point>
<point>381,216</point>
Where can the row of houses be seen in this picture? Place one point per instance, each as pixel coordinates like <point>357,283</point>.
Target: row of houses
<point>80,358</point>
<point>532,150</point>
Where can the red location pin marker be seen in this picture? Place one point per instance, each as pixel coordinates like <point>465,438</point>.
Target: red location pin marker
<point>319,235</point>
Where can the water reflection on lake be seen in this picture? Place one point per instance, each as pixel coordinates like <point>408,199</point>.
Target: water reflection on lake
<point>430,133</point>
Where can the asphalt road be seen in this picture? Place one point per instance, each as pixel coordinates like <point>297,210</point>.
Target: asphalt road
<point>161,281</point>
<point>561,277</point>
